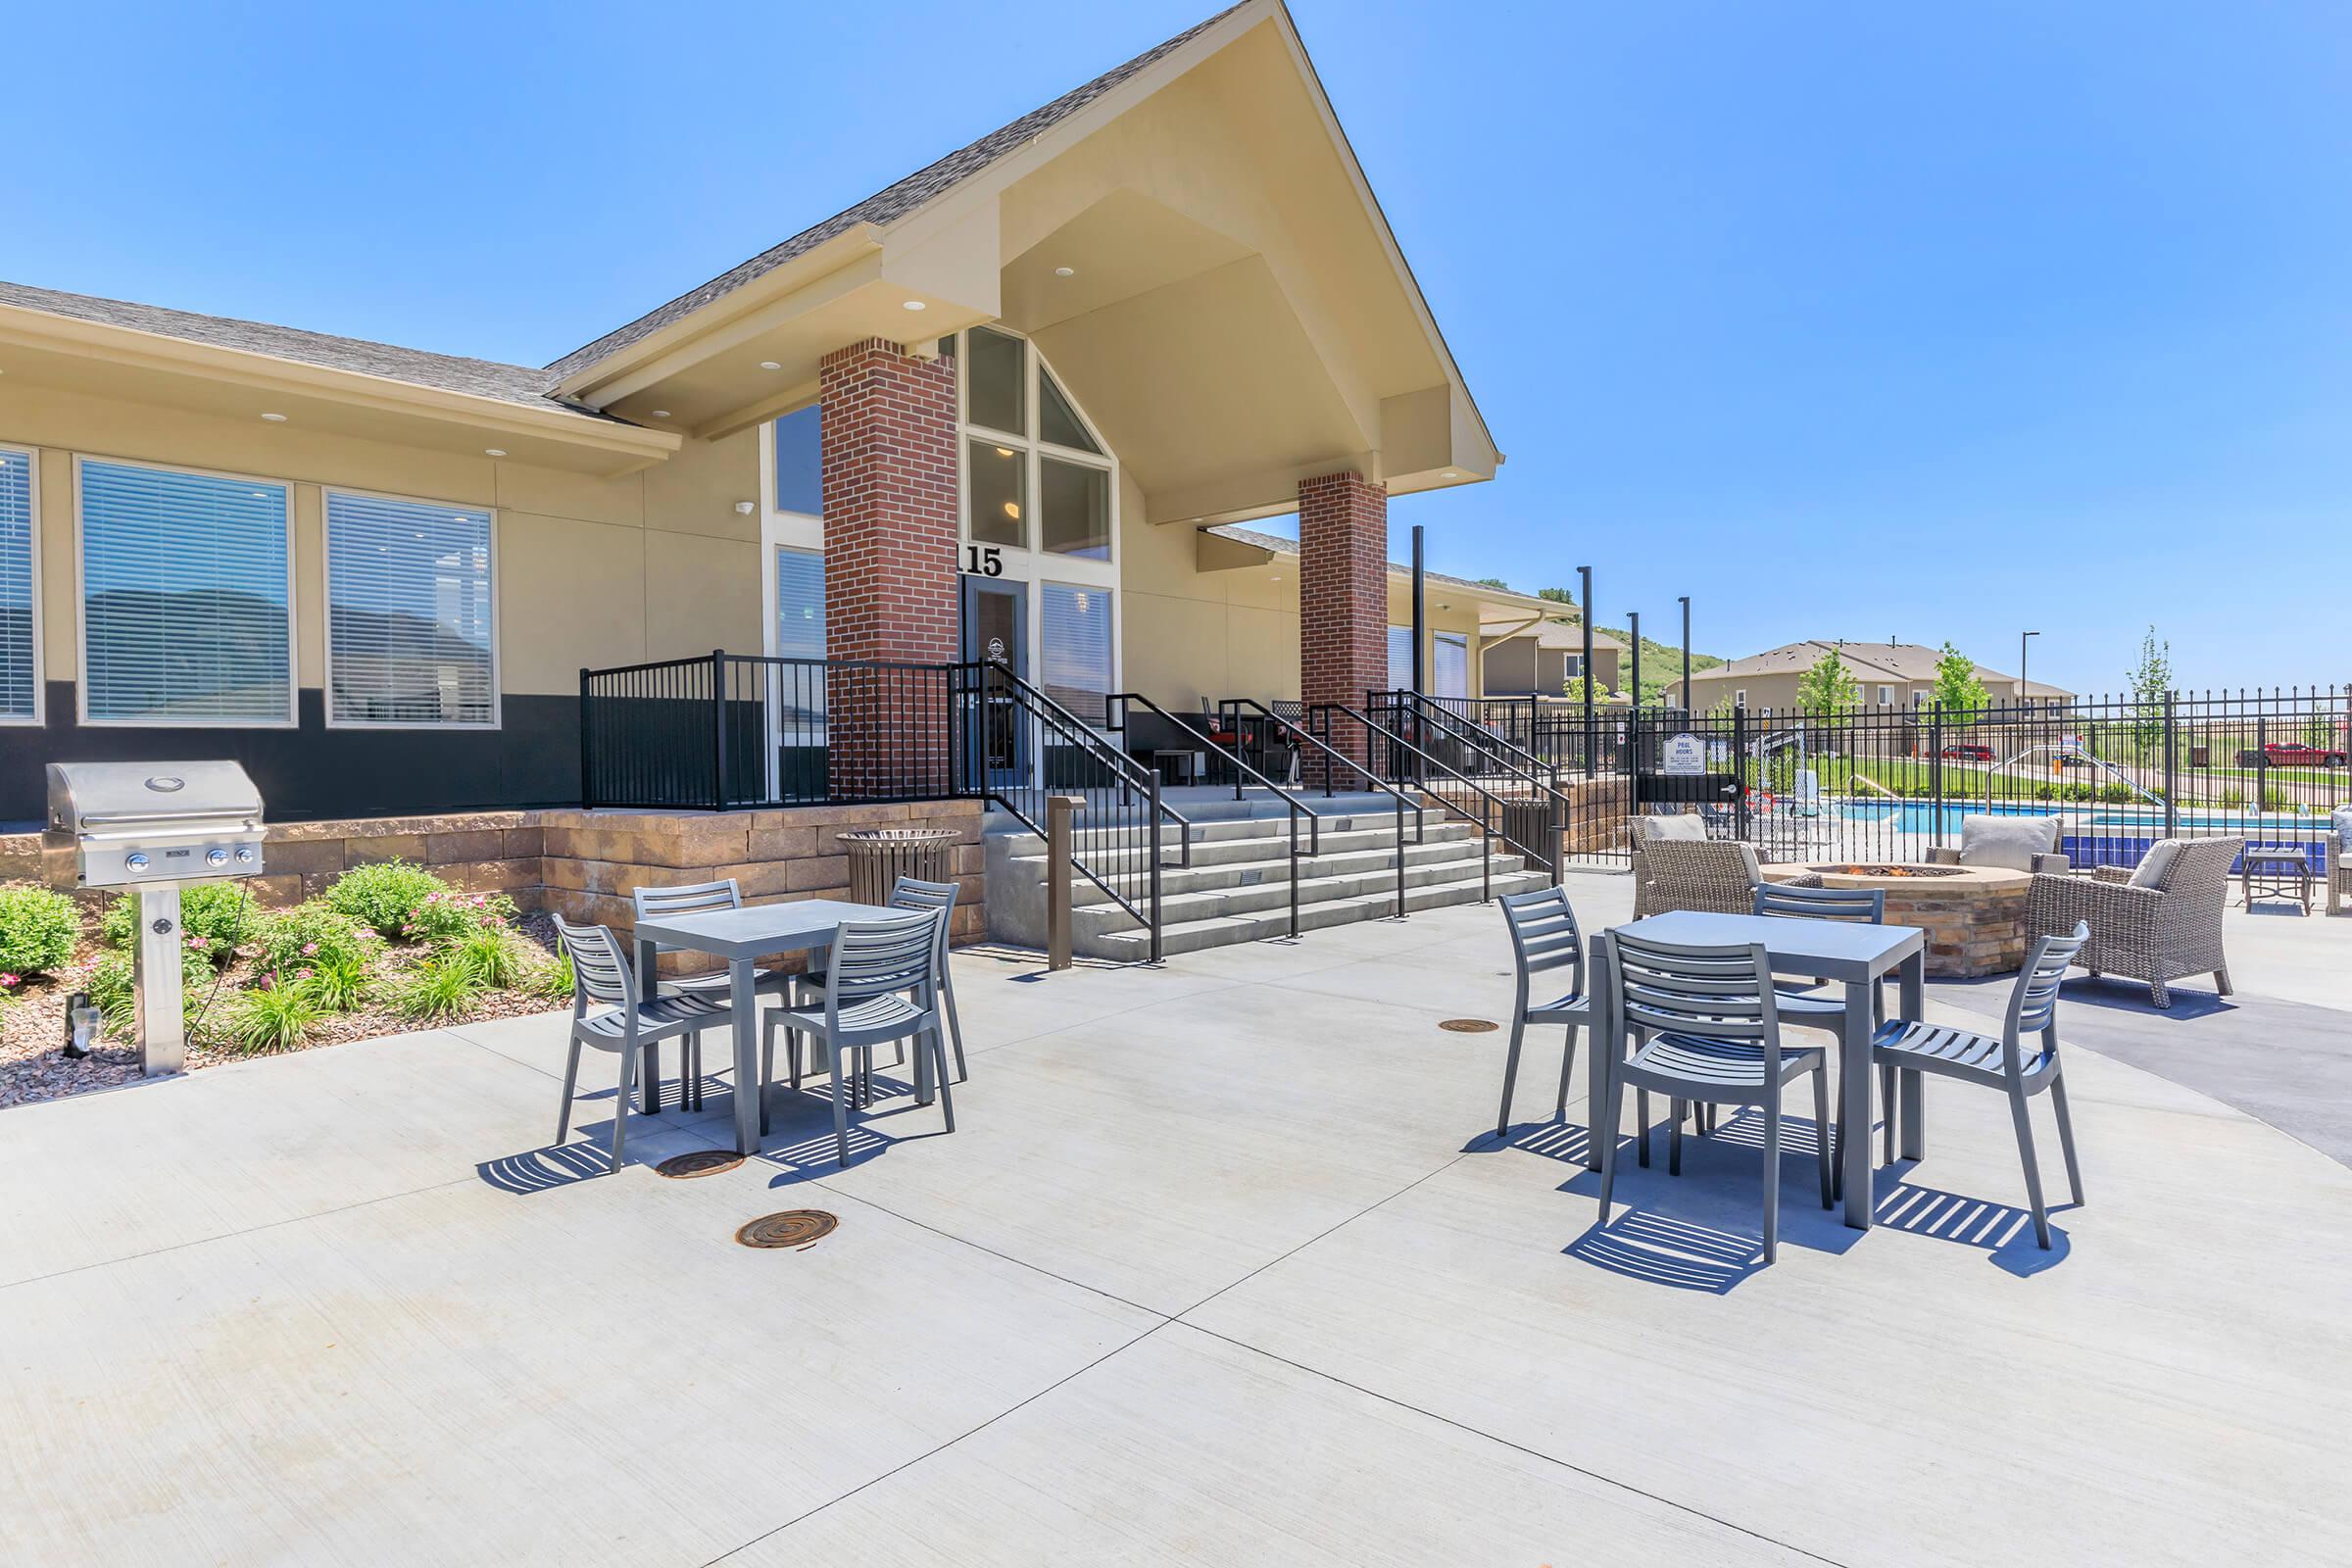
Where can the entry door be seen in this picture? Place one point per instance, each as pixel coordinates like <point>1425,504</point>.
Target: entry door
<point>995,631</point>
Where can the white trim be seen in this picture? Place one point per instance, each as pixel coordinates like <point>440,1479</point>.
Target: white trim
<point>82,602</point>
<point>33,565</point>
<point>326,613</point>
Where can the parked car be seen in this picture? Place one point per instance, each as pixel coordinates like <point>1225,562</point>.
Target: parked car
<point>2291,754</point>
<point>1968,753</point>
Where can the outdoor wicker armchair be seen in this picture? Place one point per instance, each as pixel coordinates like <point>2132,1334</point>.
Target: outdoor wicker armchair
<point>2339,874</point>
<point>1710,875</point>
<point>2155,924</point>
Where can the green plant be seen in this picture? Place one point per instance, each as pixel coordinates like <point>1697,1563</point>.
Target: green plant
<point>385,897</point>
<point>110,988</point>
<point>2233,796</point>
<point>439,987</point>
<point>39,929</point>
<point>1828,687</point>
<point>213,918</point>
<point>339,983</point>
<point>554,979</point>
<point>269,1018</point>
<point>309,935</point>
<point>492,952</point>
<point>449,916</point>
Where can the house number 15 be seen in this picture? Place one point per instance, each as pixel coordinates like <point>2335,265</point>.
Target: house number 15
<point>984,561</point>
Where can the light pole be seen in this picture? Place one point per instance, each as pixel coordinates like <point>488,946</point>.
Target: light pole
<point>1634,621</point>
<point>1584,613</point>
<point>1686,700</point>
<point>2021,665</point>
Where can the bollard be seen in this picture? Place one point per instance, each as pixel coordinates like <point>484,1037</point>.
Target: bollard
<point>1060,809</point>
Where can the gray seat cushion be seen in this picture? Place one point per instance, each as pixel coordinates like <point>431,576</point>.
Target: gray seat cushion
<point>1682,825</point>
<point>2007,841</point>
<point>2157,864</point>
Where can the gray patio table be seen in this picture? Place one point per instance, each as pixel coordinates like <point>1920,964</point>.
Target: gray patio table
<point>741,936</point>
<point>1846,952</point>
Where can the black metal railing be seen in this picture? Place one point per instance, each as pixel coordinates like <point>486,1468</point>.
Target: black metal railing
<point>737,732</point>
<point>2118,772</point>
<point>1120,703</point>
<point>1325,759</point>
<point>1444,727</point>
<point>1532,827</point>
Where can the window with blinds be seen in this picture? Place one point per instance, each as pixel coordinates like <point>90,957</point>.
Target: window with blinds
<point>1450,656</point>
<point>1075,644</point>
<point>1401,659</point>
<point>20,692</point>
<point>800,634</point>
<point>409,613</point>
<point>185,609</point>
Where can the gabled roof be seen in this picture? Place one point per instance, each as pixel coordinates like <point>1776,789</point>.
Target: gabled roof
<point>1290,547</point>
<point>1903,662</point>
<point>448,372</point>
<point>885,206</point>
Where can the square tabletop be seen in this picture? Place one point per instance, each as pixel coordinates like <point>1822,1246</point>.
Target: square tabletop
<point>757,930</point>
<point>1833,949</point>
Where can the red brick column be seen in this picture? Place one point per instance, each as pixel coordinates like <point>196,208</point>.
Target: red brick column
<point>1343,594</point>
<point>888,463</point>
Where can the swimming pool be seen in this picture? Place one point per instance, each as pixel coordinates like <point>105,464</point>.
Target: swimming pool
<point>1919,817</point>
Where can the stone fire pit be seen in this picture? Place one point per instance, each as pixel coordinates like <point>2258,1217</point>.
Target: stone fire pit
<point>1975,917</point>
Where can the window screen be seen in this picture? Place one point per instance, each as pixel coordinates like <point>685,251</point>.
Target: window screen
<point>1077,647</point>
<point>184,597</point>
<point>408,612</point>
<point>17,699</point>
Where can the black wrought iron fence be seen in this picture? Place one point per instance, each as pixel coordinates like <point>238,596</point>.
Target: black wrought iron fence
<point>2118,772</point>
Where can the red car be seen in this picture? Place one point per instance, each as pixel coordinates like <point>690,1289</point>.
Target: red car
<point>2293,753</point>
<point>1969,754</point>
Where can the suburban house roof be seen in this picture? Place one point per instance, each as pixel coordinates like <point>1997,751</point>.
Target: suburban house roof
<point>1570,636</point>
<point>447,372</point>
<point>885,206</point>
<point>1903,662</point>
<point>1276,544</point>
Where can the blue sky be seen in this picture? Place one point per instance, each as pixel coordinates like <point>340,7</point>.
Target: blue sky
<point>1862,321</point>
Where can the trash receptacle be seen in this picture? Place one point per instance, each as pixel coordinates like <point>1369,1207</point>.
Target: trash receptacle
<point>880,856</point>
<point>1526,821</point>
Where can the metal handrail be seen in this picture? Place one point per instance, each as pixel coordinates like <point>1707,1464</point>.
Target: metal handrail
<point>1234,705</point>
<point>1468,730</point>
<point>1314,824</point>
<point>1484,818</point>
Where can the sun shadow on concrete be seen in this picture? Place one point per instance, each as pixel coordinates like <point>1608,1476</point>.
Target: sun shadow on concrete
<point>2003,1232</point>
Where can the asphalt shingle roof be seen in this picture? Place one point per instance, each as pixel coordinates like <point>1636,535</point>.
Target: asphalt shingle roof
<point>449,372</point>
<point>886,205</point>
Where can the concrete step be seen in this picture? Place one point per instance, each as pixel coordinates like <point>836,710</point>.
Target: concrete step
<point>1319,884</point>
<point>1274,867</point>
<point>1268,840</point>
<point>1219,931</point>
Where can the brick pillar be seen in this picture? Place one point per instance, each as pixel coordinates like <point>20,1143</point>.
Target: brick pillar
<point>1343,596</point>
<point>889,463</point>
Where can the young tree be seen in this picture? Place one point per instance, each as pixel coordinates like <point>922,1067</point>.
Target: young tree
<point>2151,681</point>
<point>1828,687</point>
<point>1957,689</point>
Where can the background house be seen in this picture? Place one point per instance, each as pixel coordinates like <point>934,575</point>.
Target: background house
<point>1891,675</point>
<point>1543,658</point>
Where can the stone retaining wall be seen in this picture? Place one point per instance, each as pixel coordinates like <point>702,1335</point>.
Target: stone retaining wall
<point>581,864</point>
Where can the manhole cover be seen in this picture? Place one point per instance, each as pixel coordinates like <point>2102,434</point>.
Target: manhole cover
<point>702,1162</point>
<point>795,1227</point>
<point>1469,1026</point>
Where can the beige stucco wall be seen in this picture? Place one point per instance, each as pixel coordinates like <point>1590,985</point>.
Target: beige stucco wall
<point>589,571</point>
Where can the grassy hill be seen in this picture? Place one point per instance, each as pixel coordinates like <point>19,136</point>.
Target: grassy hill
<point>1661,663</point>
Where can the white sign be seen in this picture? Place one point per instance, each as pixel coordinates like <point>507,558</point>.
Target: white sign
<point>1685,754</point>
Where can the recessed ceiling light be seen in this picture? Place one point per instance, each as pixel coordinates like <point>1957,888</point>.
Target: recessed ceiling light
<point>1066,271</point>
<point>1450,475</point>
<point>769,364</point>
<point>1012,509</point>
<point>274,419</point>
<point>660,413</point>
<point>1004,452</point>
<point>916,305</point>
<point>493,452</point>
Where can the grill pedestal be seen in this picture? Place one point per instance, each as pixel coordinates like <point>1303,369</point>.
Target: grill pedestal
<point>156,979</point>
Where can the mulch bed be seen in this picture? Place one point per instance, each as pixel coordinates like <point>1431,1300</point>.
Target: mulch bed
<point>32,1021</point>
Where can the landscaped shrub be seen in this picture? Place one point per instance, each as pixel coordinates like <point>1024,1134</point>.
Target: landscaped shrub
<point>269,1018</point>
<point>37,932</point>
<point>554,979</point>
<point>338,983</point>
<point>308,935</point>
<point>491,951</point>
<point>449,916</point>
<point>110,988</point>
<point>439,987</point>
<point>385,897</point>
<point>213,918</point>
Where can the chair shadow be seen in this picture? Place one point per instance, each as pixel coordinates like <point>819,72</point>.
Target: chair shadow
<point>2116,994</point>
<point>2003,1232</point>
<point>542,1170</point>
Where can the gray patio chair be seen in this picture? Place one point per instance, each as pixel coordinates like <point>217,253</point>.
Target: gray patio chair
<point>1708,1029</point>
<point>909,893</point>
<point>882,984</point>
<point>1902,1046</point>
<point>1545,940</point>
<point>1810,1010</point>
<point>2156,923</point>
<point>692,899</point>
<point>600,975</point>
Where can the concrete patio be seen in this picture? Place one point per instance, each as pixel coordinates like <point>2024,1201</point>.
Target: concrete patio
<point>1223,1266</point>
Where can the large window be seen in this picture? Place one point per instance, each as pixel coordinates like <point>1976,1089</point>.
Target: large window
<point>1450,676</point>
<point>1076,645</point>
<point>1035,476</point>
<point>800,634</point>
<point>186,609</point>
<point>411,617</point>
<point>800,462</point>
<point>20,646</point>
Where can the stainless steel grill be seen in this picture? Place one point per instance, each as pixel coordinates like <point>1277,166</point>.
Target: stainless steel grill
<point>155,827</point>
